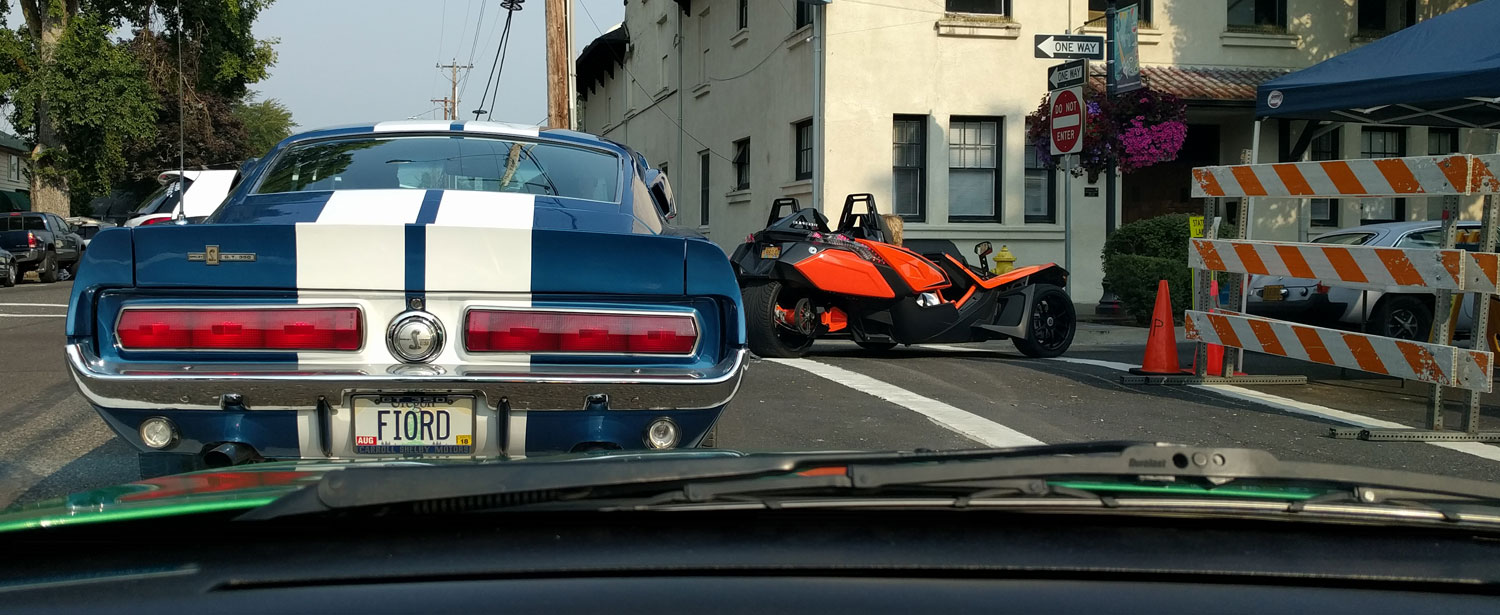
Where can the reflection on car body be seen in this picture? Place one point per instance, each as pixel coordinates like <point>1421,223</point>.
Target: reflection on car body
<point>526,279</point>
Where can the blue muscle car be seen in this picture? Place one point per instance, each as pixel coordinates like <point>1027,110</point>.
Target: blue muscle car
<point>418,288</point>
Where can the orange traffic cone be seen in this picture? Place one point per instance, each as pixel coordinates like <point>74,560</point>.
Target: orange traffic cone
<point>1215,351</point>
<point>1161,345</point>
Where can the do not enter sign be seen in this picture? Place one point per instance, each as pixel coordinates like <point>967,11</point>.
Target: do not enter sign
<point>1067,120</point>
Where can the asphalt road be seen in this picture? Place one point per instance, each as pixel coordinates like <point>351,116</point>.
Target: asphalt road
<point>841,398</point>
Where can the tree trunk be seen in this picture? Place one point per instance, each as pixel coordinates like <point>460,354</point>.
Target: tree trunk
<point>48,26</point>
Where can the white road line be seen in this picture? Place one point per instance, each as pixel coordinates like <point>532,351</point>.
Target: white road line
<point>62,305</point>
<point>1477,449</point>
<point>972,426</point>
<point>33,315</point>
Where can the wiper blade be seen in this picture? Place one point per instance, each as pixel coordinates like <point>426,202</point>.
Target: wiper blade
<point>383,486</point>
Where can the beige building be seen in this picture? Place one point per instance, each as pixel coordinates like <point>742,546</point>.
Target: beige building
<point>923,103</point>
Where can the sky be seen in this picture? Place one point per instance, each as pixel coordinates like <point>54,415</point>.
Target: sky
<point>353,61</point>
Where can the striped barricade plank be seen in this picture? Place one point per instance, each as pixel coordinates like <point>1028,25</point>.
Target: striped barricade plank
<point>1482,272</point>
<point>1355,266</point>
<point>1434,363</point>
<point>1433,175</point>
<point>1485,174</point>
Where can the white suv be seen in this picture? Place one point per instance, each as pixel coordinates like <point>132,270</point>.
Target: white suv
<point>204,189</point>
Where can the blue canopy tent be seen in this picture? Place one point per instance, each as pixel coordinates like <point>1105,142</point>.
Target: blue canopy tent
<point>1444,71</point>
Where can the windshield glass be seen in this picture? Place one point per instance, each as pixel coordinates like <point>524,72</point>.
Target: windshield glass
<point>163,201</point>
<point>446,163</point>
<point>998,229</point>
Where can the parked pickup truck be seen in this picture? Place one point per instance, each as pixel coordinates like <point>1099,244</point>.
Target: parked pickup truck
<point>41,242</point>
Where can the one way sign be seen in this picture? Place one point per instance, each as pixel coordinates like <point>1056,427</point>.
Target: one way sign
<point>1070,46</point>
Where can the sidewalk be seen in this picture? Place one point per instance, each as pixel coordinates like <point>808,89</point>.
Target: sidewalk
<point>1105,334</point>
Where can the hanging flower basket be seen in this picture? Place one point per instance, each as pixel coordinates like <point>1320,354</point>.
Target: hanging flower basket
<point>1133,130</point>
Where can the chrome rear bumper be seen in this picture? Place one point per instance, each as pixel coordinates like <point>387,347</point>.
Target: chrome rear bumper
<point>262,386</point>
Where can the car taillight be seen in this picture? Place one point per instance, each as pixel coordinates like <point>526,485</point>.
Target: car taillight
<point>588,333</point>
<point>30,239</point>
<point>150,221</point>
<point>241,329</point>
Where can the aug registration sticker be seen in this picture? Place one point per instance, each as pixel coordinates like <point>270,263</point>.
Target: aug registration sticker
<point>413,425</point>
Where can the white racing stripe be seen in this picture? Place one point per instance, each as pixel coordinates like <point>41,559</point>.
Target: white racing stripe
<point>399,206</point>
<point>351,257</point>
<point>490,234</point>
<point>972,426</point>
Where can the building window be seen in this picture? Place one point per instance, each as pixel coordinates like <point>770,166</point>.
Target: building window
<point>15,168</point>
<point>1098,7</point>
<point>742,164</point>
<point>1257,15</point>
<point>703,32</point>
<point>988,7</point>
<point>804,163</point>
<point>666,73</point>
<point>744,13</point>
<point>1325,212</point>
<point>1442,141</point>
<point>909,166</point>
<point>703,183</point>
<point>804,15</point>
<point>973,164</point>
<point>1041,189</point>
<point>1378,18</point>
<point>1382,143</point>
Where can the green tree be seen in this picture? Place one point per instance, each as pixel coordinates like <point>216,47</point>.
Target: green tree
<point>266,123</point>
<point>96,109</point>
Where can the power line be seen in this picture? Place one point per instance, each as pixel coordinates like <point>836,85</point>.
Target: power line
<point>497,67</point>
<point>474,46</point>
<point>637,83</point>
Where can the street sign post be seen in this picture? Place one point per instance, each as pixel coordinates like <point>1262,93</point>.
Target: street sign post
<point>1067,120</point>
<point>1069,46</point>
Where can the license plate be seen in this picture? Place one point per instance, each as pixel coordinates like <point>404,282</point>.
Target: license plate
<point>770,252</point>
<point>413,424</point>
<point>1270,293</point>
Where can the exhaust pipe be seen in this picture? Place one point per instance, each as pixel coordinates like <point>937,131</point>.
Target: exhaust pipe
<point>229,454</point>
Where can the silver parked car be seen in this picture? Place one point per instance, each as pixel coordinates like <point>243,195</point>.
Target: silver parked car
<point>1400,315</point>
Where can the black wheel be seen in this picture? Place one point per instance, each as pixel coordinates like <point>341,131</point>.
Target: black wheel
<point>876,346</point>
<point>47,272</point>
<point>1053,323</point>
<point>73,268</point>
<point>156,465</point>
<point>12,274</point>
<point>772,332</point>
<point>710,439</point>
<point>1402,317</point>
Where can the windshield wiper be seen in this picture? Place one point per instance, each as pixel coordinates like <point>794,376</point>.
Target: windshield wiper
<point>1059,472</point>
<point>358,487</point>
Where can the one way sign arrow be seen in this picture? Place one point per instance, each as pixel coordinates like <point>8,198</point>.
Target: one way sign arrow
<point>1067,74</point>
<point>1070,46</point>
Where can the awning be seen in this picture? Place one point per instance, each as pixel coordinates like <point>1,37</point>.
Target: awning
<point>1444,71</point>
<point>599,58</point>
<point>15,200</point>
<point>1194,84</point>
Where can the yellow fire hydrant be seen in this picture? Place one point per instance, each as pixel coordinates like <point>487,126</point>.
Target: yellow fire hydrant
<point>1004,261</point>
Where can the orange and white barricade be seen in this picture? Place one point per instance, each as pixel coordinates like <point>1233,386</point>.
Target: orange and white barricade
<point>1400,270</point>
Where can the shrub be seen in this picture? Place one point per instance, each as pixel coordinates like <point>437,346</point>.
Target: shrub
<point>1143,252</point>
<point>1134,278</point>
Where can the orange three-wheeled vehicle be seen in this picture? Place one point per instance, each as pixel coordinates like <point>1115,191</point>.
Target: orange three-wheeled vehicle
<point>802,280</point>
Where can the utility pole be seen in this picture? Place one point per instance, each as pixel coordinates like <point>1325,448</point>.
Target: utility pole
<point>450,104</point>
<point>559,19</point>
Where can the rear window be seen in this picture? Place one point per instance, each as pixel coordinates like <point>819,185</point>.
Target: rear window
<point>163,201</point>
<point>25,223</point>
<point>446,163</point>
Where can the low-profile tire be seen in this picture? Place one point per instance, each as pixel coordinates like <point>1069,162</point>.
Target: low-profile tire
<point>710,439</point>
<point>767,339</point>
<point>12,274</point>
<point>1402,317</point>
<point>156,465</point>
<point>876,346</point>
<point>47,271</point>
<point>1053,323</point>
